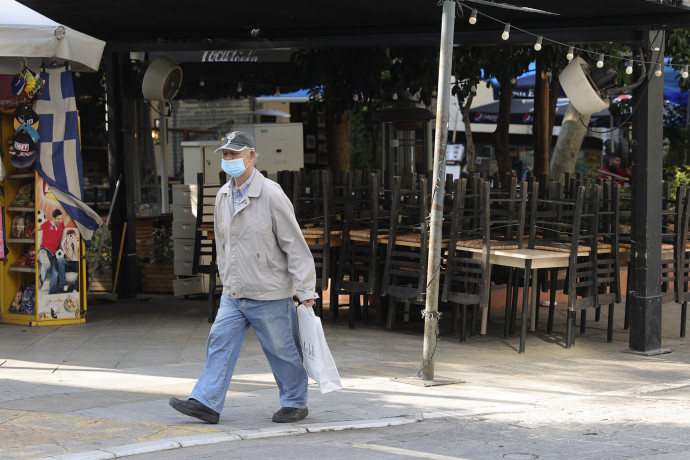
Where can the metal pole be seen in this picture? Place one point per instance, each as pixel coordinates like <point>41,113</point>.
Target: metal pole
<point>107,222</point>
<point>645,293</point>
<point>431,314</point>
<point>164,157</point>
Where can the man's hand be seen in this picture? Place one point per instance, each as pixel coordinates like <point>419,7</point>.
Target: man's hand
<point>309,302</point>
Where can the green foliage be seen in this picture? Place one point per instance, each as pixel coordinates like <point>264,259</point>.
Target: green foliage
<point>678,175</point>
<point>678,47</point>
<point>373,74</point>
<point>162,250</point>
<point>104,260</point>
<point>360,138</point>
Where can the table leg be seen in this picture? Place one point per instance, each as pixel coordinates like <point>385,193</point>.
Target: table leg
<point>509,303</point>
<point>525,300</point>
<point>534,305</point>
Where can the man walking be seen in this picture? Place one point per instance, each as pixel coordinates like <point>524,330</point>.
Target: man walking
<point>263,260</point>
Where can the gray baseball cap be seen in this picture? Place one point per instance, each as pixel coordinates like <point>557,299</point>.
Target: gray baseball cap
<point>236,141</point>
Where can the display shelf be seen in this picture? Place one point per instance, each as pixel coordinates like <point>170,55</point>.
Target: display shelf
<point>21,240</point>
<point>20,208</point>
<point>22,268</point>
<point>20,176</point>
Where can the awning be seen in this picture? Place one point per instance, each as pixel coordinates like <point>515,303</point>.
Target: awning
<point>26,33</point>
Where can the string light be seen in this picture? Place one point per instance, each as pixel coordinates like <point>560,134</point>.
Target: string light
<point>473,17</point>
<point>537,45</point>
<point>277,90</point>
<point>355,97</point>
<point>474,13</point>
<point>239,87</point>
<point>571,53</point>
<point>395,96</point>
<point>506,32</point>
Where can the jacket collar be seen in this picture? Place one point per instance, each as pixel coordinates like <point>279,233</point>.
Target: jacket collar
<point>254,188</point>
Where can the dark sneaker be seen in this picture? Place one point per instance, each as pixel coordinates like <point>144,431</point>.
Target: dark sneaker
<point>194,408</point>
<point>290,414</point>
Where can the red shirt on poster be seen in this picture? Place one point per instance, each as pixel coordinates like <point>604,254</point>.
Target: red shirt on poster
<point>51,236</point>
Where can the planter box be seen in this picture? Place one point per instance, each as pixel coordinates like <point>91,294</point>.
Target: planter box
<point>102,282</point>
<point>156,278</point>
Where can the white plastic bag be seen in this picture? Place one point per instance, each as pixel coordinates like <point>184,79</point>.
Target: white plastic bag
<point>316,355</point>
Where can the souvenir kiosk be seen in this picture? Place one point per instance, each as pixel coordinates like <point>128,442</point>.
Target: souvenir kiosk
<point>42,269</point>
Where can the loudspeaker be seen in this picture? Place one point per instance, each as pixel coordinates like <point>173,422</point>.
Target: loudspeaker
<point>578,85</point>
<point>162,80</point>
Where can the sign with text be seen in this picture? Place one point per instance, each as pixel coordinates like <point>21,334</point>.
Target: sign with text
<point>226,55</point>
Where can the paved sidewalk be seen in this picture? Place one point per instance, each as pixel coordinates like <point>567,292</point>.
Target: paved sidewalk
<point>101,389</point>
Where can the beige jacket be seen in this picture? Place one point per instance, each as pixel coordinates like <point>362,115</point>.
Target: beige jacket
<point>262,254</point>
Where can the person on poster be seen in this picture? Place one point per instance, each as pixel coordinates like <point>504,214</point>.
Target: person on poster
<point>263,261</point>
<point>51,267</point>
<point>70,246</point>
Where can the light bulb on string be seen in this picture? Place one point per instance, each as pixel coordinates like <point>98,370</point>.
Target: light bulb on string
<point>658,71</point>
<point>537,45</point>
<point>506,32</point>
<point>239,87</point>
<point>355,97</point>
<point>571,53</point>
<point>277,90</point>
<point>629,68</point>
<point>395,96</point>
<point>684,74</point>
<point>600,61</point>
<point>473,17</point>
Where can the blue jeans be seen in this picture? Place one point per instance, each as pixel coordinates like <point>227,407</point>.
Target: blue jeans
<point>53,268</point>
<point>275,325</point>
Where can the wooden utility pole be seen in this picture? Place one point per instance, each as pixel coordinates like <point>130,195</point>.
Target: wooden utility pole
<point>431,314</point>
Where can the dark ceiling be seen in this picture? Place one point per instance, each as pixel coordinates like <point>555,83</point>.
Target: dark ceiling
<point>311,23</point>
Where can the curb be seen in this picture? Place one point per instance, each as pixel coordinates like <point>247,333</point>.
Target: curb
<point>242,435</point>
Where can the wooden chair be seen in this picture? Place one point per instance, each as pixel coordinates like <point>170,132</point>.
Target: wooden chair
<point>555,226</point>
<point>573,225</point>
<point>205,256</point>
<point>608,247</point>
<point>357,267</point>
<point>405,271</point>
<point>683,254</point>
<point>312,209</point>
<point>466,281</point>
<point>673,248</point>
<point>504,212</point>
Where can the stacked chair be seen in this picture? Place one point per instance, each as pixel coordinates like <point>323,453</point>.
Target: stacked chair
<point>405,272</point>
<point>204,260</point>
<point>357,267</point>
<point>312,210</point>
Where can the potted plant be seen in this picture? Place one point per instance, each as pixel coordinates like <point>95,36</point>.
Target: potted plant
<point>100,264</point>
<point>158,274</point>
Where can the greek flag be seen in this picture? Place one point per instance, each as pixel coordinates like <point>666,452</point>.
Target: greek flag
<point>59,159</point>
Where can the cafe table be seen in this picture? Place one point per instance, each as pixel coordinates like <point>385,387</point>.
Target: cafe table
<point>530,260</point>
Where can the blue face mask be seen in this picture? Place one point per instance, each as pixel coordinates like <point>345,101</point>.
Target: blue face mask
<point>234,167</point>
